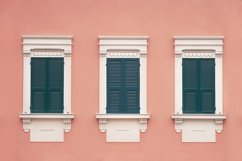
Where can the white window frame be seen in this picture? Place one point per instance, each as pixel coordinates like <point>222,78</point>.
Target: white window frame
<point>199,47</point>
<point>35,46</point>
<point>122,47</point>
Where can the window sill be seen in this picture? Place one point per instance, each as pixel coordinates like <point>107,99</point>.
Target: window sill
<point>123,127</point>
<point>122,116</point>
<point>46,116</point>
<point>199,116</point>
<point>46,127</point>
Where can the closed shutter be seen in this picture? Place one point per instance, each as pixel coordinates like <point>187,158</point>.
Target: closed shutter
<point>131,82</point>
<point>198,86</point>
<point>207,85</point>
<point>190,86</point>
<point>122,85</point>
<point>55,85</point>
<point>38,85</point>
<point>114,85</point>
<point>47,77</point>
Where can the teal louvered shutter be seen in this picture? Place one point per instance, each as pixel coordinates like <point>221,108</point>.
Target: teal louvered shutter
<point>207,85</point>
<point>55,85</point>
<point>190,85</point>
<point>198,85</point>
<point>122,85</point>
<point>38,85</point>
<point>114,85</point>
<point>131,82</point>
<point>47,78</point>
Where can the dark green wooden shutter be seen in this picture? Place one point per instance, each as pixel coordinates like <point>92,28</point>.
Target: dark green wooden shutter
<point>38,85</point>
<point>122,85</point>
<point>114,85</point>
<point>47,78</point>
<point>190,85</point>
<point>55,85</point>
<point>198,85</point>
<point>207,85</point>
<point>131,85</point>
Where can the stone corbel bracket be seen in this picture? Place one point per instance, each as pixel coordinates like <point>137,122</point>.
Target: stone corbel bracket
<point>180,118</point>
<point>27,119</point>
<point>103,120</point>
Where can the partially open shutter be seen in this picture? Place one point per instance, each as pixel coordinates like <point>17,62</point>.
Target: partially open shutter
<point>190,85</point>
<point>38,85</point>
<point>207,85</point>
<point>131,82</point>
<point>114,85</point>
<point>55,85</point>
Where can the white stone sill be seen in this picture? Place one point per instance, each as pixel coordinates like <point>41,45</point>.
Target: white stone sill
<point>199,116</point>
<point>47,36</point>
<point>122,37</point>
<point>46,116</point>
<point>123,116</point>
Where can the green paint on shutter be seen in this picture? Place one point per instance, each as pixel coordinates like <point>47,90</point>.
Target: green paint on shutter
<point>190,86</point>
<point>55,85</point>
<point>114,85</point>
<point>123,85</point>
<point>38,85</point>
<point>198,86</point>
<point>47,77</point>
<point>131,86</point>
<point>207,85</point>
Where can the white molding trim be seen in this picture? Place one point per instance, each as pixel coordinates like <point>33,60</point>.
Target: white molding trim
<point>104,118</point>
<point>180,118</point>
<point>46,46</point>
<point>122,47</point>
<point>27,118</point>
<point>198,47</point>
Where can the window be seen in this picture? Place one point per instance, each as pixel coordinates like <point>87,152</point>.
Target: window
<point>47,76</point>
<point>198,85</point>
<point>47,87</point>
<point>123,85</point>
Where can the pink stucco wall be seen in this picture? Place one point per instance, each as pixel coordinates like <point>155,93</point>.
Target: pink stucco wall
<point>86,20</point>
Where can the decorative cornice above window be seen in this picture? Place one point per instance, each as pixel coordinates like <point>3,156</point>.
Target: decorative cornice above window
<point>122,43</point>
<point>31,42</point>
<point>198,43</point>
